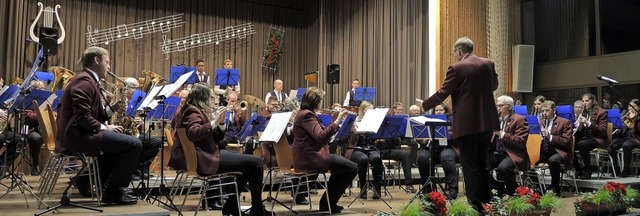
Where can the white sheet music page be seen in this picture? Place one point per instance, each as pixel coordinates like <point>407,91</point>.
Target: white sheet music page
<point>423,120</point>
<point>276,126</point>
<point>372,120</point>
<point>408,131</point>
<point>293,93</point>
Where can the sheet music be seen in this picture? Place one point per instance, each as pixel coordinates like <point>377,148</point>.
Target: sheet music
<point>408,131</point>
<point>423,120</point>
<point>372,120</point>
<point>4,89</point>
<point>149,98</point>
<point>293,93</point>
<point>275,127</point>
<point>167,91</point>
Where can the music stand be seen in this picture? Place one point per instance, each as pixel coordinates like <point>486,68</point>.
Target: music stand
<point>273,132</point>
<point>566,111</point>
<point>23,102</point>
<point>345,130</point>
<point>56,102</point>
<point>615,118</point>
<point>520,110</point>
<point>177,71</point>
<point>325,119</point>
<point>227,77</point>
<point>135,102</point>
<point>430,124</point>
<point>9,94</point>
<point>534,124</point>
<point>364,94</point>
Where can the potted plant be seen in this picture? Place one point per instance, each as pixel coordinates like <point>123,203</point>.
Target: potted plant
<point>462,208</point>
<point>524,202</point>
<point>612,199</point>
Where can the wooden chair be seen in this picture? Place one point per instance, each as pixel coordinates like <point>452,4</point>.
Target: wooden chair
<point>189,150</point>
<point>285,164</point>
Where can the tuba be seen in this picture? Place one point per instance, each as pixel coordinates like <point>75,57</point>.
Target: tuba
<point>151,79</point>
<point>62,76</point>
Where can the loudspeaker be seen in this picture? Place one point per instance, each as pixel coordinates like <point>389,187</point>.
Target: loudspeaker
<point>49,40</point>
<point>333,74</point>
<point>522,63</point>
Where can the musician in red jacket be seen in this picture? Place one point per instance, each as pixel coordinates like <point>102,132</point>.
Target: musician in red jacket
<point>556,142</point>
<point>311,149</point>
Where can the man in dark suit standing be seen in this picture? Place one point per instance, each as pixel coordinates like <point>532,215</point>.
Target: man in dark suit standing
<point>82,129</point>
<point>471,83</point>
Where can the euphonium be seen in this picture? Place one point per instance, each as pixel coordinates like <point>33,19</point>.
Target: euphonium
<point>628,121</point>
<point>62,76</point>
<point>151,79</point>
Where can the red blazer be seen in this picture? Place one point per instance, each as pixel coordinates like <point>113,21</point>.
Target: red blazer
<point>311,142</point>
<point>203,136</point>
<point>598,128</point>
<point>516,132</point>
<point>80,117</point>
<point>563,139</point>
<point>470,83</point>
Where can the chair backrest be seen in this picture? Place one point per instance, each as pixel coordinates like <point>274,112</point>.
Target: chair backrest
<point>189,150</point>
<point>45,126</point>
<point>609,132</point>
<point>169,136</point>
<point>52,118</point>
<point>283,154</point>
<point>521,110</point>
<point>534,143</point>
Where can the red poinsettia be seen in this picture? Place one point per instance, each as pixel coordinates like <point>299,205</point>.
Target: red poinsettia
<point>439,202</point>
<point>615,186</point>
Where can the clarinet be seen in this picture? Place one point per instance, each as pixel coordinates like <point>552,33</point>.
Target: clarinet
<point>587,130</point>
<point>546,145</point>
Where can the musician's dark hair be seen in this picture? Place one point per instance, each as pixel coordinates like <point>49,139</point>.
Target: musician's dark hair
<point>549,103</point>
<point>199,60</point>
<point>396,105</point>
<point>591,97</point>
<point>272,98</point>
<point>447,110</point>
<point>311,98</point>
<point>540,98</point>
<point>199,97</point>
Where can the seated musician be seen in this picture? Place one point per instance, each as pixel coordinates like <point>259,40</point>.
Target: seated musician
<point>34,139</point>
<point>413,145</point>
<point>446,155</point>
<point>628,139</point>
<point>205,130</point>
<point>590,134</point>
<point>391,149</point>
<point>235,120</point>
<point>268,154</point>
<point>509,146</point>
<point>8,143</point>
<point>556,142</point>
<point>536,109</point>
<point>361,152</point>
<point>81,129</point>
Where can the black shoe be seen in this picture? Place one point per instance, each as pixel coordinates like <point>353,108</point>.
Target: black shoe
<point>410,189</point>
<point>624,173</point>
<point>35,171</point>
<point>301,199</point>
<point>363,194</point>
<point>334,208</point>
<point>214,204</point>
<point>261,212</point>
<point>377,193</point>
<point>452,193</point>
<point>118,198</point>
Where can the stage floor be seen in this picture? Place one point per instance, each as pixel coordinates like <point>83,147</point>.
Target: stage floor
<point>14,202</point>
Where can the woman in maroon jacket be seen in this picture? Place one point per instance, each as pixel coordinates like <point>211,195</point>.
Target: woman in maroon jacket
<point>205,130</point>
<point>311,149</point>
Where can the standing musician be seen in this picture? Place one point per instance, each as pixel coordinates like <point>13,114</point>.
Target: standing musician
<point>591,133</point>
<point>277,92</point>
<point>223,90</point>
<point>509,146</point>
<point>447,156</point>
<point>357,154</point>
<point>201,76</point>
<point>205,130</point>
<point>629,138</point>
<point>348,100</point>
<point>311,149</point>
<point>556,142</point>
<point>81,128</point>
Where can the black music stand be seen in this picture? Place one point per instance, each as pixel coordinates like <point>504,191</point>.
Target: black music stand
<point>430,125</point>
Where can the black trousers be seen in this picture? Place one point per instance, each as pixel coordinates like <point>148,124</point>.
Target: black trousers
<point>342,173</point>
<point>404,158</point>
<point>585,145</point>
<point>7,138</point>
<point>447,157</point>
<point>413,152</point>
<point>251,168</point>
<point>35,143</point>
<point>363,159</point>
<point>627,148</point>
<point>120,158</point>
<point>150,149</point>
<point>505,172</point>
<point>474,153</point>
<point>555,161</point>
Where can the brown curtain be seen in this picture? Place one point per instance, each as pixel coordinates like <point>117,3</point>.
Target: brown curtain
<point>381,43</point>
<point>130,56</point>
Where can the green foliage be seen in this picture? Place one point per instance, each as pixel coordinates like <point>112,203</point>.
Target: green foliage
<point>519,206</point>
<point>602,197</point>
<point>413,208</point>
<point>632,195</point>
<point>462,208</point>
<point>550,201</point>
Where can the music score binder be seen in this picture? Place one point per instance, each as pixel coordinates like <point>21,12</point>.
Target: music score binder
<point>276,126</point>
<point>252,126</point>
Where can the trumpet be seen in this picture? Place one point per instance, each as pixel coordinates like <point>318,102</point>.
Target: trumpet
<point>242,105</point>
